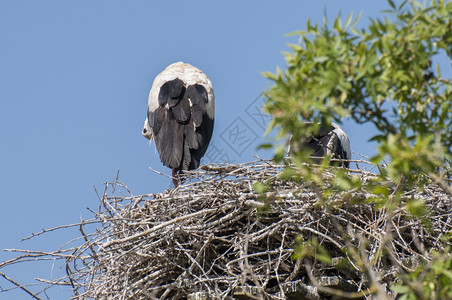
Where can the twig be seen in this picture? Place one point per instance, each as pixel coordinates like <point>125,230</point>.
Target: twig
<point>19,286</point>
<point>155,228</point>
<point>93,221</point>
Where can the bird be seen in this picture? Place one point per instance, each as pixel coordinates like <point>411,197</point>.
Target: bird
<point>180,117</point>
<point>329,140</point>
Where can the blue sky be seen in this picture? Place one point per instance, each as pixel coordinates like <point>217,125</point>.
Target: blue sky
<point>74,82</point>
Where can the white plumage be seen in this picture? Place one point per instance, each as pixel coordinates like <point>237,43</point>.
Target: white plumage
<point>344,142</point>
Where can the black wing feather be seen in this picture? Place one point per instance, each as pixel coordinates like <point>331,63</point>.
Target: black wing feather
<point>156,118</point>
<point>182,110</point>
<point>169,141</point>
<point>182,131</point>
<point>171,92</point>
<point>191,136</point>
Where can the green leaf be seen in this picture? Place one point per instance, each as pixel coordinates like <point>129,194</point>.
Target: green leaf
<point>357,20</point>
<point>344,183</point>
<point>337,24</point>
<point>321,59</point>
<point>349,20</point>
<point>391,3</point>
<point>287,173</point>
<point>400,289</point>
<point>381,190</point>
<point>416,207</point>
<point>270,76</point>
<point>323,257</point>
<point>259,187</point>
<point>265,146</point>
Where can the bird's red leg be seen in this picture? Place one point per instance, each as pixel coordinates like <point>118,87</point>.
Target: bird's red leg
<point>175,177</point>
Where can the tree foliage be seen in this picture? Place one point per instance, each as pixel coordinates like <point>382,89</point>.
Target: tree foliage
<point>382,75</point>
<point>386,75</point>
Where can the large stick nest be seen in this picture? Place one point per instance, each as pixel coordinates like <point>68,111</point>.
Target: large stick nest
<point>215,237</point>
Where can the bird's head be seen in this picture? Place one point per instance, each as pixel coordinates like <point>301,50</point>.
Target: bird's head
<point>147,132</point>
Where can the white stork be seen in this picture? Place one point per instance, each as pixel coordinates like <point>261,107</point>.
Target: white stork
<point>328,141</point>
<point>181,110</point>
